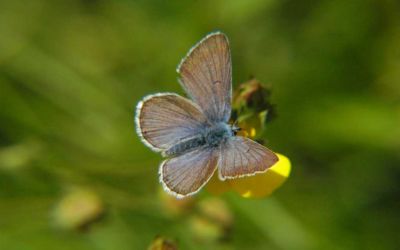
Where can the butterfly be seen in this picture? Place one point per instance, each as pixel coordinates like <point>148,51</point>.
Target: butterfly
<point>194,134</point>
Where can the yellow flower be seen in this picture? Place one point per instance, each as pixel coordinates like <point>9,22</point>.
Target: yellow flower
<point>252,109</point>
<point>257,186</point>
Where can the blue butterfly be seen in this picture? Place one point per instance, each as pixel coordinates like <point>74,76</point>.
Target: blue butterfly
<point>194,134</point>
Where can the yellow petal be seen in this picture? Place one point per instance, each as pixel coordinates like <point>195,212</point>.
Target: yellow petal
<point>253,132</point>
<point>257,186</point>
<point>262,185</point>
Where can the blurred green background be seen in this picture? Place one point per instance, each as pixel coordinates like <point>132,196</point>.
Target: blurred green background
<point>71,73</point>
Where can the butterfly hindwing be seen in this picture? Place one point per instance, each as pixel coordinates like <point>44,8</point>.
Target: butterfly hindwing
<point>187,173</point>
<point>240,156</point>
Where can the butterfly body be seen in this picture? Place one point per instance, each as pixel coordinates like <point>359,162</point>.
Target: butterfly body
<point>185,146</point>
<point>194,133</point>
<point>211,136</point>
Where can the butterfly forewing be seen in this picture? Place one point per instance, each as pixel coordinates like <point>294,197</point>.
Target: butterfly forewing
<point>186,174</point>
<point>206,76</point>
<point>164,119</point>
<point>241,156</point>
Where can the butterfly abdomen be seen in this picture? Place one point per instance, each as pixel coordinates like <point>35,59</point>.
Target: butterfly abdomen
<point>185,146</point>
<point>212,137</point>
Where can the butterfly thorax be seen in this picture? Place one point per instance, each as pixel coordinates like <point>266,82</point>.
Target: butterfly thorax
<point>209,137</point>
<point>214,135</point>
